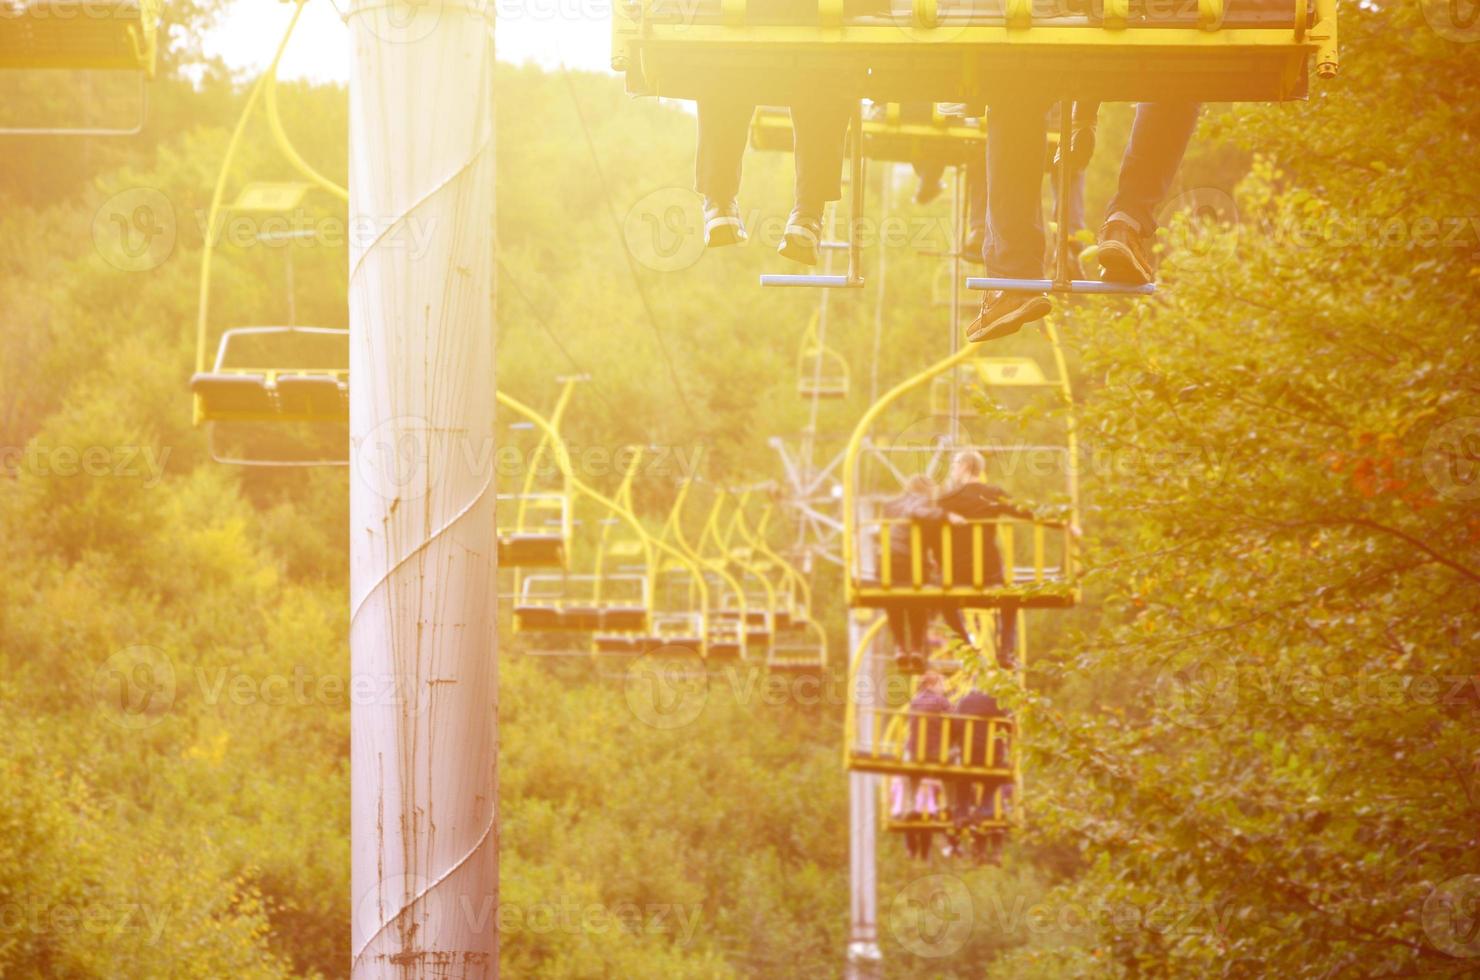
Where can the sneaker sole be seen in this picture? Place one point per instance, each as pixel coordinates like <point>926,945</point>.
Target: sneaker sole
<point>723,231</point>
<point>1009,323</point>
<point>798,251</point>
<point>1119,265</point>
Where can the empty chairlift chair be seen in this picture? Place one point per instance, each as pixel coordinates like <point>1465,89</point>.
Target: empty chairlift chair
<point>281,391</point>
<point>582,603</point>
<point>821,371</point>
<point>120,36</point>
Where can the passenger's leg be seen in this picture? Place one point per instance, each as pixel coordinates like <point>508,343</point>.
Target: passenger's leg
<point>976,209</point>
<point>1017,142</point>
<point>898,626</point>
<point>919,620</point>
<point>1007,618</point>
<point>724,128</point>
<point>931,171</point>
<point>1159,138</point>
<point>819,132</point>
<point>956,623</point>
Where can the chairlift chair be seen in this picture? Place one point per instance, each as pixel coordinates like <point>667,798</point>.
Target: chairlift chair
<point>120,36</point>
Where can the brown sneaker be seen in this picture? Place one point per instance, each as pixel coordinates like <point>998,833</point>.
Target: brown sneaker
<point>722,224</point>
<point>802,237</point>
<point>1004,314</point>
<point>1125,256</point>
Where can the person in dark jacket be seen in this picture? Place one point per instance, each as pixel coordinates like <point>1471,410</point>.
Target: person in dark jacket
<point>978,746</point>
<point>969,497</point>
<point>907,624</point>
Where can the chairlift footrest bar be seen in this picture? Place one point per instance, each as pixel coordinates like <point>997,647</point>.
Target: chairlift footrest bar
<point>1080,286</point>
<point>824,282</point>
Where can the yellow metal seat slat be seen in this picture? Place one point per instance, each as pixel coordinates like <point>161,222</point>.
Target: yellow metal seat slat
<point>80,35</point>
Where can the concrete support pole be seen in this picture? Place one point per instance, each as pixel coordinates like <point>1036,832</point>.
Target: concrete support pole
<point>423,724</point>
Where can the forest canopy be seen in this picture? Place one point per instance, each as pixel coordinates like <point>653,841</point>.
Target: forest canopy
<point>1254,748</point>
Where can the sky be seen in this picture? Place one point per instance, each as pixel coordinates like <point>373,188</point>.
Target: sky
<point>546,32</point>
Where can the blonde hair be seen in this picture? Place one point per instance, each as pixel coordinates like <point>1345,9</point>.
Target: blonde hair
<point>970,462</point>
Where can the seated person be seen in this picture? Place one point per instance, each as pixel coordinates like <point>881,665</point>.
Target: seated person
<point>923,741</point>
<point>968,498</point>
<point>978,708</point>
<point>907,623</point>
<point>1017,134</point>
<point>924,801</point>
<point>819,128</point>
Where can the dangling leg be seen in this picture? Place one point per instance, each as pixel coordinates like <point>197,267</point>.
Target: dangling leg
<point>724,128</point>
<point>1017,141</point>
<point>1159,138</point>
<point>819,132</point>
<point>1007,618</point>
<point>976,210</point>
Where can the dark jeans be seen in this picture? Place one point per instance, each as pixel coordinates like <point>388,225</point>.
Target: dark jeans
<point>1017,141</point>
<point>907,626</point>
<point>820,129</point>
<point>976,199</point>
<point>1007,618</point>
<point>966,809</point>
